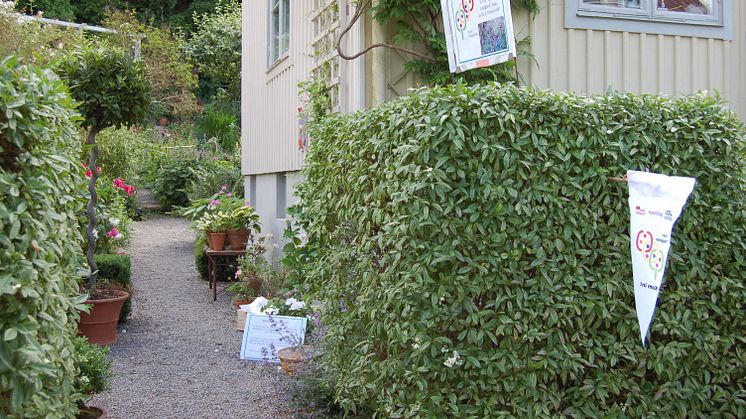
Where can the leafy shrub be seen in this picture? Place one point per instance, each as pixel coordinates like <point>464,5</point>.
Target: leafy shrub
<point>41,193</point>
<point>33,41</point>
<point>474,260</point>
<point>117,269</point>
<point>94,368</point>
<point>123,151</point>
<point>172,179</point>
<point>216,45</point>
<point>169,71</point>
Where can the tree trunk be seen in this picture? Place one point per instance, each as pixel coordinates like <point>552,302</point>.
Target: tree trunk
<point>91,210</point>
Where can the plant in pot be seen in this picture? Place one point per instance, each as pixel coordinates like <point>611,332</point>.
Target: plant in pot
<point>214,225</point>
<point>112,91</point>
<point>242,222</point>
<point>94,375</point>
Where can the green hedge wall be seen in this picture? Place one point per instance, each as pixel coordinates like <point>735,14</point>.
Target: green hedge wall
<point>118,269</point>
<point>41,193</point>
<point>480,220</point>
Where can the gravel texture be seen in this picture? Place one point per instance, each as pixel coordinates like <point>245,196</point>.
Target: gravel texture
<point>177,355</point>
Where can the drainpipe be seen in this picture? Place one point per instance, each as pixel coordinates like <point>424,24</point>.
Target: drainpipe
<point>378,62</point>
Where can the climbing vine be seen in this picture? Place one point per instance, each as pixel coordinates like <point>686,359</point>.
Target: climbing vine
<point>420,22</point>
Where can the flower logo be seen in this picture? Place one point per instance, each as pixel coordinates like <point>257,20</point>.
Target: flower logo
<point>651,251</point>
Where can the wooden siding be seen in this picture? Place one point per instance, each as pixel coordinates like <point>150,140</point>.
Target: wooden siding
<point>270,97</point>
<point>594,62</point>
<point>579,60</point>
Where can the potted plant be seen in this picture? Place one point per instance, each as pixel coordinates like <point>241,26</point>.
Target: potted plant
<point>242,222</point>
<point>94,375</point>
<point>112,90</point>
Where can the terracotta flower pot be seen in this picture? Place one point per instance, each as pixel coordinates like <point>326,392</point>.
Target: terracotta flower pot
<point>238,239</point>
<point>218,241</point>
<point>209,240</point>
<point>100,327</point>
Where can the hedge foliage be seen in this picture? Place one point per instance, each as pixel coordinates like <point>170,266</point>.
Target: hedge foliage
<point>117,269</point>
<point>41,193</point>
<point>474,260</point>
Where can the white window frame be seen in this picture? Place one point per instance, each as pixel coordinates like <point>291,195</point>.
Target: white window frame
<point>276,53</point>
<point>648,19</point>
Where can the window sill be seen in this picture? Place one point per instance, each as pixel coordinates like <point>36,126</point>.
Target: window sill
<point>283,58</point>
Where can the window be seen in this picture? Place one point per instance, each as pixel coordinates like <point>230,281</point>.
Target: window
<point>702,18</point>
<point>279,29</point>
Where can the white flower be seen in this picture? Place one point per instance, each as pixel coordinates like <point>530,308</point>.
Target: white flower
<point>114,222</point>
<point>118,236</point>
<point>608,131</point>
<point>444,349</point>
<point>298,305</point>
<point>290,301</point>
<point>416,344</point>
<point>454,360</point>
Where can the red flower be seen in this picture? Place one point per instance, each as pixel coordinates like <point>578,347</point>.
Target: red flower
<point>118,183</point>
<point>129,189</point>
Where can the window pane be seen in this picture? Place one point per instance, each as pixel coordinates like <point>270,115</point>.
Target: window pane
<point>698,7</point>
<point>275,34</point>
<point>285,26</point>
<point>628,4</point>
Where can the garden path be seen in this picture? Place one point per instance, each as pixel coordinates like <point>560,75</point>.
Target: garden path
<point>177,356</point>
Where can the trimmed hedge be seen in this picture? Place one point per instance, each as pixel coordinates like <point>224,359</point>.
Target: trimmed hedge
<point>475,260</point>
<point>41,193</point>
<point>118,269</point>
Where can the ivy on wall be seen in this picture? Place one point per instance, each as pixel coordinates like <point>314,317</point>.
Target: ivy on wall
<point>420,22</point>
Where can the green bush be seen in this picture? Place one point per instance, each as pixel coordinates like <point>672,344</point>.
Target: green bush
<point>123,152</point>
<point>117,269</point>
<point>172,179</point>
<point>94,368</point>
<point>474,260</point>
<point>41,193</point>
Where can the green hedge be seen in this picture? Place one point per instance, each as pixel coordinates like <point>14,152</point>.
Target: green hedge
<point>118,269</point>
<point>41,193</point>
<point>480,220</point>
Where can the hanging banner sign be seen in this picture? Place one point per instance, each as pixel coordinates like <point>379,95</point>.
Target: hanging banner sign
<point>655,203</point>
<point>479,33</point>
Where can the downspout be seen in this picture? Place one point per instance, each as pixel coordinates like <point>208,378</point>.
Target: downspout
<point>378,62</point>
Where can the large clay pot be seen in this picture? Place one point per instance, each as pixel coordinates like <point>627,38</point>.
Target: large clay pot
<point>218,240</point>
<point>238,239</point>
<point>100,327</point>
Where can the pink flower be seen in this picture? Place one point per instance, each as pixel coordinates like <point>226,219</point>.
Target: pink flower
<point>88,173</point>
<point>129,189</point>
<point>118,183</point>
<point>215,202</point>
<point>229,194</point>
<point>114,233</point>
<point>224,187</point>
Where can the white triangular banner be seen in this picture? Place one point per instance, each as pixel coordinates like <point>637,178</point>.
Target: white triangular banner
<point>655,203</point>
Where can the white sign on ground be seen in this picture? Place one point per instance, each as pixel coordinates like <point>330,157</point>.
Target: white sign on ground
<point>655,203</point>
<point>264,335</point>
<point>479,33</point>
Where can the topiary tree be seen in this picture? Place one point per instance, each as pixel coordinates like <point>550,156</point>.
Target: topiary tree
<point>113,91</point>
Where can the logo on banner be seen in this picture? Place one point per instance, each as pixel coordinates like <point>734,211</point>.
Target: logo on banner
<point>651,252</point>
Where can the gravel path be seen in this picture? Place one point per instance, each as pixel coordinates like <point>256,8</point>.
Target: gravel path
<point>177,356</point>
